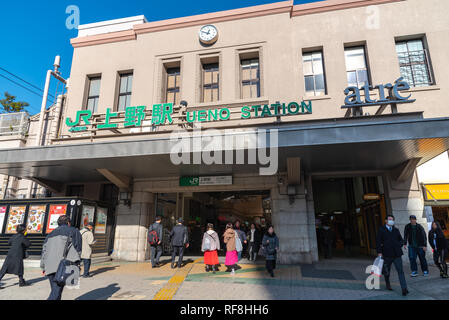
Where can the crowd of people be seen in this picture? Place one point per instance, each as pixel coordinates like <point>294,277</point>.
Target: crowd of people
<point>69,245</point>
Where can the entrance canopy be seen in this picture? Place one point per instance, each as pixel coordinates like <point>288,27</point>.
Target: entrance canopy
<point>348,144</point>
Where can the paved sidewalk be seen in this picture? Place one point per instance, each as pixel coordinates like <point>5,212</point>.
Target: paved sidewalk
<point>336,279</point>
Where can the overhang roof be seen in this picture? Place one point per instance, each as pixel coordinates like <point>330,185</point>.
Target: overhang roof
<point>332,145</point>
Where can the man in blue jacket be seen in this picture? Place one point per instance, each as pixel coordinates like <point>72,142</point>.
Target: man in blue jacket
<point>53,252</point>
<point>389,247</point>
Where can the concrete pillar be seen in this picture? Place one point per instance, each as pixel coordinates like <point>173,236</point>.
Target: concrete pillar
<point>294,224</point>
<point>132,226</point>
<point>405,200</point>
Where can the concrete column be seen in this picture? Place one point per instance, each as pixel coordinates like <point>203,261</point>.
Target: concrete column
<point>132,226</point>
<point>406,199</point>
<point>294,224</point>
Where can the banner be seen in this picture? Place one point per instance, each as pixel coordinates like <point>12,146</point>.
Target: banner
<point>2,217</point>
<point>102,216</point>
<point>87,216</point>
<point>36,216</point>
<point>16,217</point>
<point>56,210</point>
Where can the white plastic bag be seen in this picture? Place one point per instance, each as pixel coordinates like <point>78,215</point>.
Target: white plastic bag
<point>377,266</point>
<point>238,243</point>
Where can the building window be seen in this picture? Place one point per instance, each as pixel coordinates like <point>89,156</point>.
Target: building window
<point>314,73</point>
<point>124,97</point>
<point>75,191</point>
<point>414,62</point>
<point>173,91</point>
<point>250,75</point>
<point>211,79</point>
<point>356,67</point>
<point>94,94</point>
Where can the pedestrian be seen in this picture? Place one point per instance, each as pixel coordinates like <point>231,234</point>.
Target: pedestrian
<point>347,238</point>
<point>439,245</point>
<point>415,236</point>
<point>88,241</point>
<point>63,239</point>
<point>179,238</point>
<point>210,247</point>
<point>270,243</point>
<point>254,240</point>
<point>17,252</point>
<point>242,237</point>
<point>389,246</point>
<point>229,238</point>
<point>155,242</point>
<point>327,240</point>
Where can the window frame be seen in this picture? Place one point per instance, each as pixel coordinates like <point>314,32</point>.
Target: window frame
<point>210,86</point>
<point>311,53</point>
<point>127,94</point>
<point>356,71</point>
<point>250,81</point>
<point>89,96</point>
<point>177,86</point>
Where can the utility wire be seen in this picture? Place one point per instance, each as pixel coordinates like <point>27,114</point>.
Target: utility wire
<point>39,95</point>
<point>30,84</point>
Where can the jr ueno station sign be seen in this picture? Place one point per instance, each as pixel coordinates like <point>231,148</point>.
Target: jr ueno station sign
<point>162,114</point>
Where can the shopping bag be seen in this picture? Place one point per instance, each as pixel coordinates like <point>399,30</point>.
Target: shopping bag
<point>238,243</point>
<point>377,266</point>
<point>261,251</point>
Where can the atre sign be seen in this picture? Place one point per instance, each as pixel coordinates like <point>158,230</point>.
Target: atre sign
<point>354,96</point>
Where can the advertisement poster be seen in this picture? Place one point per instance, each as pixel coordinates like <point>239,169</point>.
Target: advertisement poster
<point>56,210</point>
<point>87,215</point>
<point>2,217</point>
<point>16,217</point>
<point>102,216</point>
<point>36,216</point>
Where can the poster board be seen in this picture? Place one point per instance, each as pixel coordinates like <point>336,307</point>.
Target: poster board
<point>56,210</point>
<point>16,217</point>
<point>87,215</point>
<point>2,217</point>
<point>36,216</point>
<point>102,216</point>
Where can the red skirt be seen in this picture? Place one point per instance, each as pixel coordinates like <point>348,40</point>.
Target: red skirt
<point>211,258</point>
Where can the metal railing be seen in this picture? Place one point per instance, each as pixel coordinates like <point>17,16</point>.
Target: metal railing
<point>14,123</point>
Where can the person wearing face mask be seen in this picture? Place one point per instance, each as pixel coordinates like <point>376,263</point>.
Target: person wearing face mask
<point>389,246</point>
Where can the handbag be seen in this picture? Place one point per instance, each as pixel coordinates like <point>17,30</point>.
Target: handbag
<point>238,243</point>
<point>261,251</point>
<point>63,272</point>
<point>377,266</point>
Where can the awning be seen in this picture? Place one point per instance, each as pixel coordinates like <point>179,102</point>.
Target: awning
<point>347,144</point>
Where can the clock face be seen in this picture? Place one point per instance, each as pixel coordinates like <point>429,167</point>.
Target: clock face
<point>208,34</point>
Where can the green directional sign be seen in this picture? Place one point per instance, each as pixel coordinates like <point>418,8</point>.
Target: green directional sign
<point>189,182</point>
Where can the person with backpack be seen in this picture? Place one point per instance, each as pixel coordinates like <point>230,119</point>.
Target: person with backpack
<point>63,243</point>
<point>179,238</point>
<point>155,240</point>
<point>14,260</point>
<point>439,245</point>
<point>210,247</point>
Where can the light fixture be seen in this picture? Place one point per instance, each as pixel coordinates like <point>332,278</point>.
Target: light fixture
<point>338,212</point>
<point>125,198</point>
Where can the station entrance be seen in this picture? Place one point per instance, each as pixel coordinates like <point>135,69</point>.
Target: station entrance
<point>219,208</point>
<point>348,214</point>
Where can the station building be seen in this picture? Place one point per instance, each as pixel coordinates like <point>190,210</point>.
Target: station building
<point>349,96</point>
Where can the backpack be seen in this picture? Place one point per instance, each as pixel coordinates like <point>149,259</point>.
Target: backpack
<point>153,238</point>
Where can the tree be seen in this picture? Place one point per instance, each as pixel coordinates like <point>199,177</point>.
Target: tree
<point>10,105</point>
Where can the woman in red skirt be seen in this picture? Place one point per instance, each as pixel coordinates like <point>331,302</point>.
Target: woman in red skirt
<point>210,246</point>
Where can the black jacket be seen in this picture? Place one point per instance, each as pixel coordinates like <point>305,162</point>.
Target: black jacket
<point>14,261</point>
<point>440,240</point>
<point>179,236</point>
<point>158,228</point>
<point>421,238</point>
<point>389,243</point>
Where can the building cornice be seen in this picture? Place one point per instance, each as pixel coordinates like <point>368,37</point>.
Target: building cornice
<point>334,5</point>
<point>222,16</point>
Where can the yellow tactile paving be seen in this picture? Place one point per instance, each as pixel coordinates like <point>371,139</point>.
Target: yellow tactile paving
<point>170,289</point>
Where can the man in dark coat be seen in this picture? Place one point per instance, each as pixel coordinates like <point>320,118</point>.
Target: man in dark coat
<point>415,236</point>
<point>254,239</point>
<point>156,249</point>
<point>389,246</point>
<point>179,238</point>
<point>14,261</point>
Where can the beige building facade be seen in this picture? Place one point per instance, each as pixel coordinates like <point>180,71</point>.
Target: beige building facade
<point>341,161</point>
